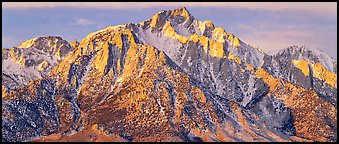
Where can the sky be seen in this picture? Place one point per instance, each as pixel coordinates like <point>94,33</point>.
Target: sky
<point>268,25</point>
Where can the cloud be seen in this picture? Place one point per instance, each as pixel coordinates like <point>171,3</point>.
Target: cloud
<point>324,9</point>
<point>82,22</point>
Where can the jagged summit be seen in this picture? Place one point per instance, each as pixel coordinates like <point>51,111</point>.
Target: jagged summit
<point>305,48</point>
<point>299,49</point>
<point>32,59</point>
<point>33,41</point>
<point>307,53</point>
<point>181,12</point>
<point>48,44</point>
<point>176,12</point>
<point>174,16</point>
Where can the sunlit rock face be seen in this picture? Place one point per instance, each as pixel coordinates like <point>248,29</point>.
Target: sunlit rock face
<point>32,59</point>
<point>169,78</point>
<point>306,67</point>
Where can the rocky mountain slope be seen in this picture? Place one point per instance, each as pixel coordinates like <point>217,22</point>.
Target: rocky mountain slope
<point>169,78</point>
<point>32,59</point>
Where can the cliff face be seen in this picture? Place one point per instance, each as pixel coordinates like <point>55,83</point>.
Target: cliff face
<point>170,78</point>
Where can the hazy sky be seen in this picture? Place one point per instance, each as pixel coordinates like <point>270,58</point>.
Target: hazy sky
<point>270,26</point>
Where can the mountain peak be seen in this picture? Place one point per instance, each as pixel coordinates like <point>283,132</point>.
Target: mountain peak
<point>307,53</point>
<point>48,44</point>
<point>181,12</point>
<point>305,49</point>
<point>178,14</point>
<point>31,42</point>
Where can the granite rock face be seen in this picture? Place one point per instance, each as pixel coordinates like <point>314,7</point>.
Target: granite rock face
<point>32,59</point>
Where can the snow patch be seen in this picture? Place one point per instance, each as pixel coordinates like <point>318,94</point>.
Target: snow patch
<point>250,91</point>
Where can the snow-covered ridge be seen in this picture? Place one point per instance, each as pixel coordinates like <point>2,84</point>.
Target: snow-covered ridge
<point>188,26</point>
<point>177,27</point>
<point>307,53</point>
<point>32,59</point>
